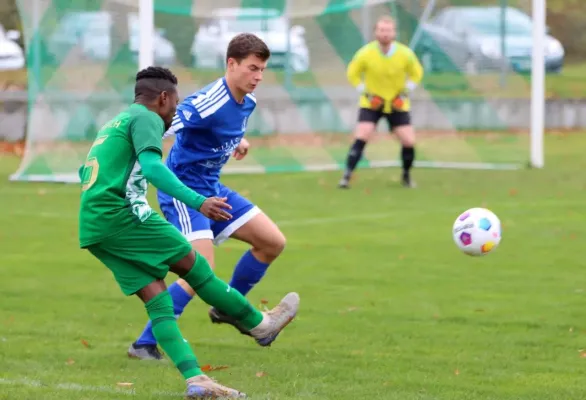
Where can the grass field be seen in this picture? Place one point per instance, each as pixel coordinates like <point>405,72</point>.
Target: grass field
<point>390,309</point>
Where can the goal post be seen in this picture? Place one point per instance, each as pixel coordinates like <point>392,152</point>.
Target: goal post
<point>537,154</point>
<point>479,106</point>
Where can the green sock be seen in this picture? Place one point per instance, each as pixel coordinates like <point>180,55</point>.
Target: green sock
<point>218,294</point>
<point>166,331</point>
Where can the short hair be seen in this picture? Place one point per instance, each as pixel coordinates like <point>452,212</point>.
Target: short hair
<point>385,18</point>
<point>246,44</point>
<point>152,81</point>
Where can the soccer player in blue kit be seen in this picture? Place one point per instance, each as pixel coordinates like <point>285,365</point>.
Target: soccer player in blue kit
<point>209,127</point>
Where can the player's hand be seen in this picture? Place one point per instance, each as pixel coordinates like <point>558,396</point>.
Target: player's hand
<point>214,208</point>
<point>242,149</point>
<point>399,102</point>
<point>376,102</point>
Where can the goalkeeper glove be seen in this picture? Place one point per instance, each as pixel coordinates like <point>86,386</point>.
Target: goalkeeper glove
<point>376,102</point>
<point>399,102</point>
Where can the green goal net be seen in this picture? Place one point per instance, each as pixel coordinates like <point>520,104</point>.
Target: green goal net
<point>471,111</point>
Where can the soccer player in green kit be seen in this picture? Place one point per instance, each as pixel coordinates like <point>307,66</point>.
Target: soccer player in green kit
<point>117,226</point>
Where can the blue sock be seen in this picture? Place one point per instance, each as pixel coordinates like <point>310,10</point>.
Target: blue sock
<point>180,299</point>
<point>247,273</point>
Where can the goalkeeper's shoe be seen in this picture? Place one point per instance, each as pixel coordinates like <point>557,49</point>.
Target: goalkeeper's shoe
<point>204,387</point>
<point>408,182</point>
<point>275,320</point>
<point>145,352</point>
<point>344,183</point>
<point>218,317</point>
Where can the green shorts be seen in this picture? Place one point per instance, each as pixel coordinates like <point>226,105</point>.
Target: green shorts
<point>142,254</point>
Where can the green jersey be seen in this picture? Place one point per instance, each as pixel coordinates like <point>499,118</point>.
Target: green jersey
<point>113,193</point>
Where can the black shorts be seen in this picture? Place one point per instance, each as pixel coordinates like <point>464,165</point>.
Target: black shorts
<point>394,119</point>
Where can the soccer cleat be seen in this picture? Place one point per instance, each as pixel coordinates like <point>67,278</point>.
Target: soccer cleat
<point>145,352</point>
<point>218,317</point>
<point>204,387</point>
<point>275,320</point>
<point>344,183</point>
<point>407,182</point>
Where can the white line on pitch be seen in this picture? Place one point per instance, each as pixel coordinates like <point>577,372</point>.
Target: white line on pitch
<point>358,217</point>
<point>31,383</point>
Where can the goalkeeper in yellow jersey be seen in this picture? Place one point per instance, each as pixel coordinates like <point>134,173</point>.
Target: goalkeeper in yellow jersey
<point>384,72</point>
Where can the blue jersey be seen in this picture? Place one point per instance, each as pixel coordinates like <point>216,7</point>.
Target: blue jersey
<point>208,126</point>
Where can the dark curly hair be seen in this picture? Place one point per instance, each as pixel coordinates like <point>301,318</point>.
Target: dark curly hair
<point>152,81</point>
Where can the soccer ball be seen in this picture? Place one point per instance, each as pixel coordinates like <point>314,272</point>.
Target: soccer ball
<point>477,231</point>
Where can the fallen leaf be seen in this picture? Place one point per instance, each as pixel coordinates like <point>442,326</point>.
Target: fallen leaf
<point>85,343</point>
<point>513,192</point>
<point>401,257</point>
<point>260,374</point>
<point>264,301</point>
<point>42,192</point>
<point>70,361</point>
<point>367,191</point>
<point>457,372</point>
<point>583,354</point>
<point>125,384</point>
<point>208,368</point>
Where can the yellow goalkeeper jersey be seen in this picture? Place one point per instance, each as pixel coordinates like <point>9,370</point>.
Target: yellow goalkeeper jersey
<point>384,75</point>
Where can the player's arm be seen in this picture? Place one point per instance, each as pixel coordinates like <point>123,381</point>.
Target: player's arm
<point>146,137</point>
<point>162,178</point>
<point>355,74</point>
<point>414,72</point>
<point>356,69</point>
<point>187,119</point>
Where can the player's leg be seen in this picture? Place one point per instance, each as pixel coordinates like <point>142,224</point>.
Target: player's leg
<point>195,228</point>
<point>139,273</point>
<point>145,346</point>
<point>400,122</point>
<point>250,225</point>
<point>196,271</point>
<point>157,246</point>
<point>264,327</point>
<point>367,120</point>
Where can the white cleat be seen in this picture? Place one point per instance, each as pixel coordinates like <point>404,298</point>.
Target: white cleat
<point>276,320</point>
<point>204,387</point>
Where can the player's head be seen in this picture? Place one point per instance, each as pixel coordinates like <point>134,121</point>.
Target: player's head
<point>385,30</point>
<point>156,87</point>
<point>246,60</point>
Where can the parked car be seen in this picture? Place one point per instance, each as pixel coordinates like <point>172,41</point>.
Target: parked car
<point>469,39</point>
<point>287,45</point>
<point>11,54</point>
<point>91,31</point>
